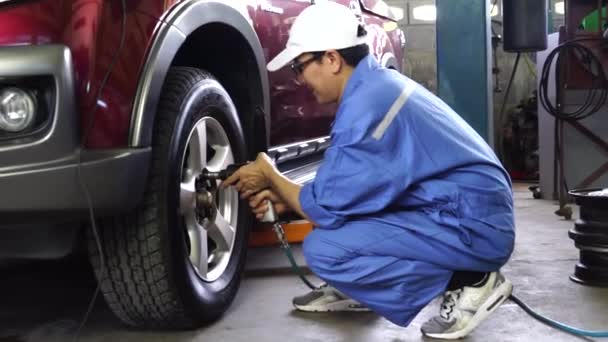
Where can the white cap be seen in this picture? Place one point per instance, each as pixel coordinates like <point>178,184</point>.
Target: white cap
<point>320,27</point>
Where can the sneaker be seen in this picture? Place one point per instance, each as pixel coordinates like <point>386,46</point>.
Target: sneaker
<point>462,310</point>
<point>326,299</point>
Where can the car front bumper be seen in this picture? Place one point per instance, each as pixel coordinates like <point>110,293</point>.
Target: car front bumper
<point>42,175</point>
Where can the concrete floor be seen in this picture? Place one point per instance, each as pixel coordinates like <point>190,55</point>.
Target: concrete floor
<point>43,301</point>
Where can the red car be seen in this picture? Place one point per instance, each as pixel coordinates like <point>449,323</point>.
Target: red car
<point>112,108</point>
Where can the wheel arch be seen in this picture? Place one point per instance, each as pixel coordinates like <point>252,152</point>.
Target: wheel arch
<point>390,61</point>
<point>220,39</point>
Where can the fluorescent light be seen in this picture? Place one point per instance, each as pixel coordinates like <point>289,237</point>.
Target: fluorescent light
<point>494,10</point>
<point>559,7</point>
<point>425,13</point>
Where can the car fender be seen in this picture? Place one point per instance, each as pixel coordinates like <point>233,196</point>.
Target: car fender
<point>171,32</point>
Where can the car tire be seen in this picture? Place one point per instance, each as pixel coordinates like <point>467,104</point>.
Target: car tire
<point>151,278</point>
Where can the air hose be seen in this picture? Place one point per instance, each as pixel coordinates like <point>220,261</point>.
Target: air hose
<point>555,324</point>
<point>270,216</point>
<point>278,228</point>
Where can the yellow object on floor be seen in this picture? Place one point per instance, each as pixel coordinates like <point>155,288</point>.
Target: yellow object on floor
<point>295,231</point>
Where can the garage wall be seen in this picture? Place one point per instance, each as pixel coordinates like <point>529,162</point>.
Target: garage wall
<point>421,59</point>
<point>420,63</point>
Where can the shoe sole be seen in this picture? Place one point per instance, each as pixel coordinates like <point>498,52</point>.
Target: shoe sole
<point>491,304</point>
<point>343,305</point>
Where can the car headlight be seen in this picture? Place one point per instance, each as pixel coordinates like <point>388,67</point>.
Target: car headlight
<point>17,109</point>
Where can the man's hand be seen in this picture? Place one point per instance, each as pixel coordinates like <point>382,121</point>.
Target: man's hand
<point>261,175</point>
<point>259,203</point>
<point>253,177</point>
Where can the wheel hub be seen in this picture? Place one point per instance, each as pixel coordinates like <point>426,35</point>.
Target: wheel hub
<point>210,215</point>
<point>206,207</point>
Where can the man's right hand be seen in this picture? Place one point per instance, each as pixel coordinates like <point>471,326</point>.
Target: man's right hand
<point>259,206</point>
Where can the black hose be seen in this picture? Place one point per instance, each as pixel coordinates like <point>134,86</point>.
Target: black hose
<point>596,94</point>
<point>504,103</point>
<point>87,130</point>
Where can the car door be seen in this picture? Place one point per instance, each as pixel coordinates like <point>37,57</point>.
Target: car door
<point>295,114</point>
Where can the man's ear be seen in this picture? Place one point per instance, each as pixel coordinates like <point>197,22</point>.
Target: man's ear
<point>335,61</point>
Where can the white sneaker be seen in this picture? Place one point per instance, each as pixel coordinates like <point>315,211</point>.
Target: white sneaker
<point>462,310</point>
<point>326,299</point>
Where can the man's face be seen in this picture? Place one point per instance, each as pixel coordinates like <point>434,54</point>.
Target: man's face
<point>317,73</point>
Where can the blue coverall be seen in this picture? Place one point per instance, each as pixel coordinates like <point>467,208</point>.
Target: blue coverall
<point>407,193</point>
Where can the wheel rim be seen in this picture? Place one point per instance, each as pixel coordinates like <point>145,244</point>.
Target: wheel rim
<point>210,240</point>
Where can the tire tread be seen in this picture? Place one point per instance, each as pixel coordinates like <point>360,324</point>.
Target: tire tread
<point>137,284</point>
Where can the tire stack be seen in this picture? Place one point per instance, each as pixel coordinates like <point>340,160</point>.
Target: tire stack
<point>590,235</point>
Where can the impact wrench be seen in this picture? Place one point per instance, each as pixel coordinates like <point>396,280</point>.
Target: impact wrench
<point>271,217</point>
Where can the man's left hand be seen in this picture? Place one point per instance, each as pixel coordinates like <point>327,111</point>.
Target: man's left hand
<point>253,177</point>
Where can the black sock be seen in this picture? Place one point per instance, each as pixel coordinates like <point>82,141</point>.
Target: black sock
<point>466,278</point>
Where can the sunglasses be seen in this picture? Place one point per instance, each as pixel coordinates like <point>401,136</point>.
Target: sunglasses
<point>298,67</point>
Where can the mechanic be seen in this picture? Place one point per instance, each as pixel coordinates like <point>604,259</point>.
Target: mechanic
<point>409,201</point>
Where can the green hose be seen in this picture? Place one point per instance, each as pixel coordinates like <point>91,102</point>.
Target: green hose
<point>555,324</point>
<point>278,229</point>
